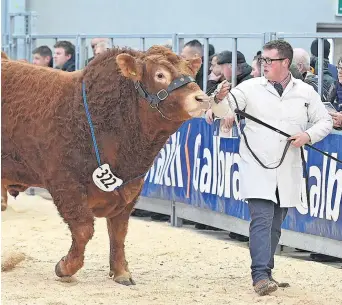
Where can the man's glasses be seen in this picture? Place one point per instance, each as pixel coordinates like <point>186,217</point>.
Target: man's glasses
<point>268,61</point>
<point>339,68</point>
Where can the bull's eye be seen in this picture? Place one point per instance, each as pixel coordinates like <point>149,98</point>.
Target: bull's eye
<point>160,75</point>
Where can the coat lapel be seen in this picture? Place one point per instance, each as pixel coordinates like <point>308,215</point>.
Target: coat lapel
<point>269,86</point>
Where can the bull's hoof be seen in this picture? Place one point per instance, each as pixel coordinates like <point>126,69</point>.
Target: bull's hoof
<point>123,279</point>
<point>60,269</point>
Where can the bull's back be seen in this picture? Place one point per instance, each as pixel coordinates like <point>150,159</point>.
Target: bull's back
<point>32,96</point>
<point>35,104</point>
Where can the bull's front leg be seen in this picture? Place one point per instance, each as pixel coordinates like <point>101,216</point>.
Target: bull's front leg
<point>74,210</point>
<point>3,198</point>
<point>117,231</point>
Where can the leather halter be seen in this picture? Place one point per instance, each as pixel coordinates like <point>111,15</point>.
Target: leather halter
<point>155,99</point>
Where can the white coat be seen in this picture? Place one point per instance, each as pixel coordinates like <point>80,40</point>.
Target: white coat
<point>298,106</point>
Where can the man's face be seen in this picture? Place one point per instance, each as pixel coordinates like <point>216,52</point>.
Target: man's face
<point>188,53</point>
<point>95,41</point>
<point>339,68</point>
<point>60,58</point>
<point>215,68</point>
<point>100,49</point>
<point>227,71</point>
<point>255,69</point>
<point>274,68</point>
<point>41,60</point>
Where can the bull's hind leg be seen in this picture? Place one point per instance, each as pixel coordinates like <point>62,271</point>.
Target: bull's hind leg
<point>73,208</point>
<point>117,230</point>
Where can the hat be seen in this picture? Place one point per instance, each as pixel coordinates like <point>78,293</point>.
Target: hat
<point>326,46</point>
<point>225,57</point>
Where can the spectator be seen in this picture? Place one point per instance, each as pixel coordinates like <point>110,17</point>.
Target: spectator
<point>314,51</point>
<point>101,47</point>
<point>271,187</point>
<point>42,56</point>
<point>335,97</point>
<point>256,66</point>
<point>301,59</point>
<point>211,50</point>
<point>194,49</point>
<point>93,44</point>
<point>243,69</point>
<point>64,56</point>
<point>216,75</point>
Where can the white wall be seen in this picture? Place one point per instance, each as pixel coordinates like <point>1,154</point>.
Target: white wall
<point>187,16</point>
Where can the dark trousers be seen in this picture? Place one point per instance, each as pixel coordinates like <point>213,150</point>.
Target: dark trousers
<point>264,233</point>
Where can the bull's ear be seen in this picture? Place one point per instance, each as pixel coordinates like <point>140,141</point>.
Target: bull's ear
<point>196,64</point>
<point>130,67</point>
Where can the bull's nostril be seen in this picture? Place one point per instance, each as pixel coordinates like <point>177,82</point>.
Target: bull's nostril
<point>199,99</point>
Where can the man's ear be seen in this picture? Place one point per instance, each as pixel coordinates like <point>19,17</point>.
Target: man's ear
<point>129,66</point>
<point>196,64</point>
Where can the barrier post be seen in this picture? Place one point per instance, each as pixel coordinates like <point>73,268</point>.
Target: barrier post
<point>77,52</point>
<point>83,50</point>
<point>205,63</point>
<point>234,62</point>
<point>320,65</point>
<point>175,221</point>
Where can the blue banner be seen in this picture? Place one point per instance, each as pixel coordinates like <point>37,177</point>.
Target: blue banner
<point>197,167</point>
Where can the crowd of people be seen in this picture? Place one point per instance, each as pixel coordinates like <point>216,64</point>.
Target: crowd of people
<point>304,66</point>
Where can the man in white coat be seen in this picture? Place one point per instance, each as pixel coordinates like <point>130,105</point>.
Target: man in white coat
<point>289,105</point>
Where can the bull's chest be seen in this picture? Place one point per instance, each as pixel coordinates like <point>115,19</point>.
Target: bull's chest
<point>111,204</point>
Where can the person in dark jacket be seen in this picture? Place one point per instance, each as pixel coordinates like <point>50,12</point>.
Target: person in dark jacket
<point>314,51</point>
<point>335,97</point>
<point>42,56</point>
<point>216,76</point>
<point>64,56</point>
<point>243,69</point>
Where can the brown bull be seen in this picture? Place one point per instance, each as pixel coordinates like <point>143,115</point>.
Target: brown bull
<point>46,139</point>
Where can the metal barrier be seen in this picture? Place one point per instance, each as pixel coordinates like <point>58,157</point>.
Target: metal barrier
<point>320,37</point>
<point>178,39</point>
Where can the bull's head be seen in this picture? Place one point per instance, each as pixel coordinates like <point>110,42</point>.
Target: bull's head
<point>166,81</point>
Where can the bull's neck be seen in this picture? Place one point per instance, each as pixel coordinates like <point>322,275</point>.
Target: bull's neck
<point>134,144</point>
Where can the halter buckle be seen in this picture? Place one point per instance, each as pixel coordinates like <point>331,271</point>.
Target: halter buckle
<point>162,94</point>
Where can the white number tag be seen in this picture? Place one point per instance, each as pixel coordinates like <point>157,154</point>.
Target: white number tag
<point>105,179</point>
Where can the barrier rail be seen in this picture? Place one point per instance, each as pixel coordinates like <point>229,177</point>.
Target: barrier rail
<point>81,51</point>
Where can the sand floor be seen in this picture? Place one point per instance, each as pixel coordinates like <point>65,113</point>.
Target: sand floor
<point>169,265</point>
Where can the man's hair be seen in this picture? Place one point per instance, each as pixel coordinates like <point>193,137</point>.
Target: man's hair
<point>284,49</point>
<point>211,50</point>
<point>195,44</point>
<point>256,58</point>
<point>68,47</point>
<point>301,56</point>
<point>339,60</point>
<point>42,51</point>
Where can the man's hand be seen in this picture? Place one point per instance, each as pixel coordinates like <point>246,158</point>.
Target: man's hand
<point>224,89</point>
<point>228,123</point>
<point>300,139</point>
<point>214,77</point>
<point>209,116</point>
<point>337,118</point>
